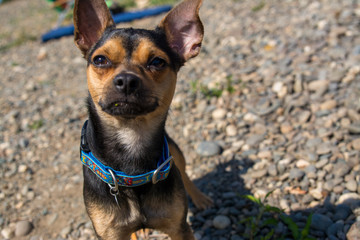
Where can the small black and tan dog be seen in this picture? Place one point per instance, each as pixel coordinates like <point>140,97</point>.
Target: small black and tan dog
<point>130,182</point>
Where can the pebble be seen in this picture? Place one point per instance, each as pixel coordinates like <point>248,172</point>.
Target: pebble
<point>351,185</point>
<point>208,149</point>
<point>23,228</point>
<point>316,193</point>
<point>356,144</point>
<point>231,131</point>
<point>259,173</point>
<point>342,211</point>
<point>354,231</point>
<point>8,233</point>
<point>302,164</point>
<point>318,84</point>
<point>328,105</point>
<point>320,222</point>
<point>341,169</point>
<point>335,228</point>
<point>350,199</point>
<point>65,231</point>
<point>221,222</point>
<point>22,168</point>
<point>323,148</point>
<point>219,114</point>
<point>354,128</point>
<point>296,173</point>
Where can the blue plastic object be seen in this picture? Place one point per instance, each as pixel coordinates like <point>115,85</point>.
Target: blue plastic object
<point>121,17</point>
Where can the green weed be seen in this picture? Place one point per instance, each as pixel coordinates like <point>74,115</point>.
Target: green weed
<point>23,38</point>
<point>162,2</point>
<point>36,124</point>
<point>216,91</point>
<point>254,224</point>
<point>258,7</point>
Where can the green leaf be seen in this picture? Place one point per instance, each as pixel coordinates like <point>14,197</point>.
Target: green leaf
<point>270,221</point>
<point>268,194</point>
<point>291,225</point>
<point>253,199</point>
<point>269,208</point>
<point>269,235</point>
<point>306,230</point>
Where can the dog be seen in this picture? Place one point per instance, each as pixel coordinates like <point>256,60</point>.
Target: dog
<point>130,182</point>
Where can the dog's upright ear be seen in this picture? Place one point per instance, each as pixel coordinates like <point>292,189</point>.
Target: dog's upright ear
<point>183,28</point>
<point>91,18</point>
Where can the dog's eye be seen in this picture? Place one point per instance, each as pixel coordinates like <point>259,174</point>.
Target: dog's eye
<point>157,63</point>
<point>101,61</point>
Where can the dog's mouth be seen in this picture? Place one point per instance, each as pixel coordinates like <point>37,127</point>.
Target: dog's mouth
<point>129,109</point>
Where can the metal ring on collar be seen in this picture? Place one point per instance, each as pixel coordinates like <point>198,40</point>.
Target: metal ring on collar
<point>156,172</point>
<point>113,189</point>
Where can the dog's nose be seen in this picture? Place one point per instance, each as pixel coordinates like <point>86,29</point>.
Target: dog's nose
<point>127,83</point>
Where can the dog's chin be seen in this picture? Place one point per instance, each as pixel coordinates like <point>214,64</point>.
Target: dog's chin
<point>128,110</point>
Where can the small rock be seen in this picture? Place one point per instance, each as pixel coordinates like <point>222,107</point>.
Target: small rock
<point>354,128</point>
<point>318,84</point>
<point>65,231</point>
<point>335,228</point>
<point>280,89</point>
<point>22,168</point>
<point>320,222</point>
<point>321,163</point>
<point>42,54</point>
<point>8,233</point>
<point>219,114</point>
<point>221,222</point>
<point>264,154</point>
<point>342,211</point>
<point>356,144</point>
<point>24,143</point>
<point>302,163</point>
<point>351,185</point>
<point>328,105</point>
<point>323,148</point>
<point>354,232</point>
<point>341,169</point>
<point>208,149</point>
<point>304,117</point>
<point>316,193</point>
<point>350,199</point>
<point>231,131</point>
<point>286,128</point>
<point>23,228</point>
<point>250,118</point>
<point>296,173</point>
<point>254,139</point>
<point>272,170</point>
<point>259,173</point>
<point>236,237</point>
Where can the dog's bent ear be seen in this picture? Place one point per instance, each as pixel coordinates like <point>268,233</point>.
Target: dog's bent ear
<point>183,28</point>
<point>91,18</point>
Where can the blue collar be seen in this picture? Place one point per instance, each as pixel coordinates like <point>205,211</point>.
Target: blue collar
<point>116,178</point>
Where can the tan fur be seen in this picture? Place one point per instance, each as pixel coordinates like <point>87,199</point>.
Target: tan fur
<point>184,33</point>
<point>106,222</point>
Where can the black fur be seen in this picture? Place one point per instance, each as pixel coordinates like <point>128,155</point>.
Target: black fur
<point>110,152</point>
<point>131,37</point>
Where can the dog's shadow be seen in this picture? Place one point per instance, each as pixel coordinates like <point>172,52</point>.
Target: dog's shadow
<point>225,185</point>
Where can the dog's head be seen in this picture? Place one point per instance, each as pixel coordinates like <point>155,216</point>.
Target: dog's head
<point>132,72</point>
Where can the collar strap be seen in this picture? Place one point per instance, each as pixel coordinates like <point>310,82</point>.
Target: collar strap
<point>108,175</point>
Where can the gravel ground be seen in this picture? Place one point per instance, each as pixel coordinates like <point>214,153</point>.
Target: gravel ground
<point>272,103</point>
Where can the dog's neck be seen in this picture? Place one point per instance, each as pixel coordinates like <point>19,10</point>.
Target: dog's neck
<point>130,145</point>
